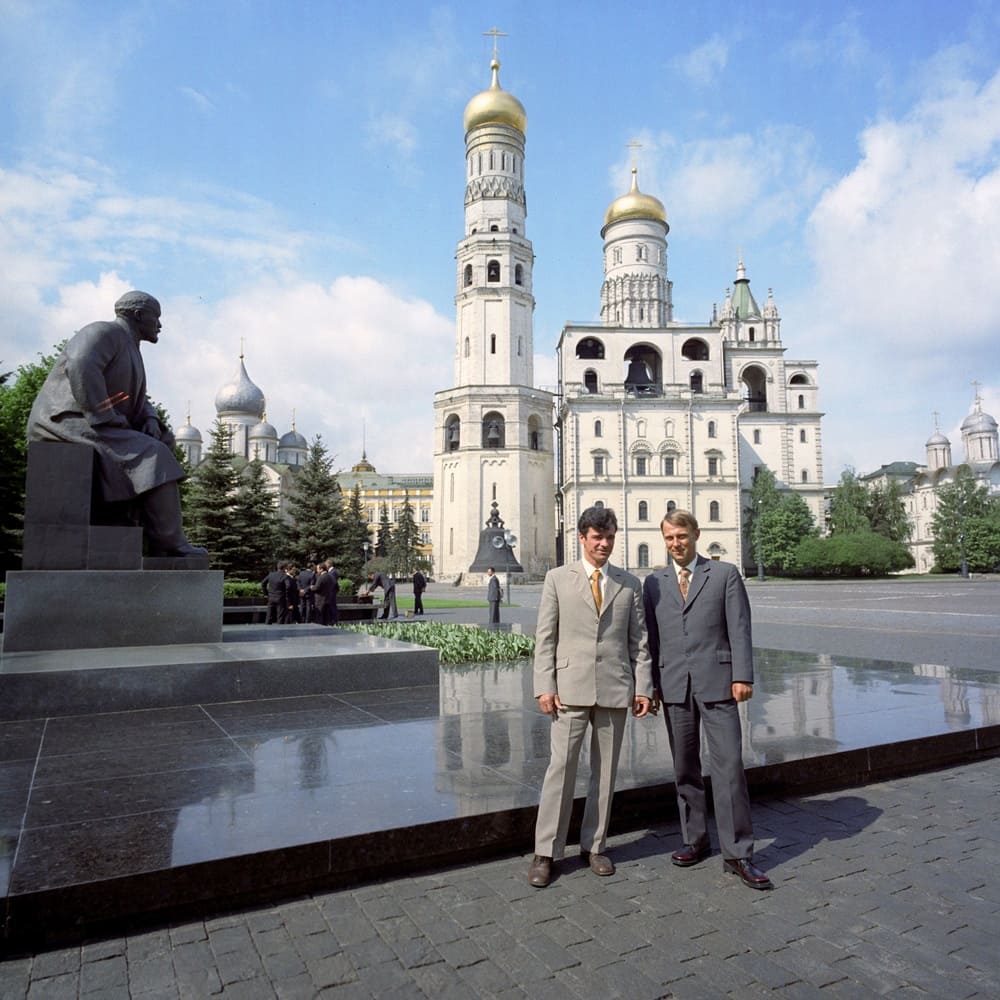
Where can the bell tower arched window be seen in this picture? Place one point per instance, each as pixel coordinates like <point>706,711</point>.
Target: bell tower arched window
<point>467,275</point>
<point>518,274</point>
<point>590,380</point>
<point>493,430</point>
<point>452,434</point>
<point>493,270</point>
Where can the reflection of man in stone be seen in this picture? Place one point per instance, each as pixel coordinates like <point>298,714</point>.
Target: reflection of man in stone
<point>96,395</point>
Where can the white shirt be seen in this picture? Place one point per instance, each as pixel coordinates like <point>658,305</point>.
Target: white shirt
<point>603,570</point>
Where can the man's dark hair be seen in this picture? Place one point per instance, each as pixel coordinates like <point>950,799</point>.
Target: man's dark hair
<point>598,518</point>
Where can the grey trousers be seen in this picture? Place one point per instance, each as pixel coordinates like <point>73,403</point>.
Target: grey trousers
<point>569,729</point>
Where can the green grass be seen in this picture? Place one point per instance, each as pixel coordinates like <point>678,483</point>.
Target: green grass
<point>456,643</point>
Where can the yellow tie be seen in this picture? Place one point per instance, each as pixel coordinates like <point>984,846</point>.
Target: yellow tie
<point>682,582</point>
<point>595,586</point>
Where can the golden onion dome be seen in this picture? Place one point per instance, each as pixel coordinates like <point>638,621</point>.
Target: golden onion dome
<point>635,205</point>
<point>495,106</point>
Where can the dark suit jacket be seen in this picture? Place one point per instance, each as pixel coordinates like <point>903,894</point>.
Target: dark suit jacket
<point>325,589</point>
<point>493,590</point>
<point>706,639</point>
<point>275,586</point>
<point>419,582</point>
<point>385,582</point>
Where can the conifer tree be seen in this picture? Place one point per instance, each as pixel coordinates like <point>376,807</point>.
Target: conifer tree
<point>255,523</point>
<point>316,509</point>
<point>403,552</point>
<point>354,536</point>
<point>210,495</point>
<point>384,532</point>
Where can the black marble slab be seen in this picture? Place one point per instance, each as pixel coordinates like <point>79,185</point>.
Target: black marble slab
<point>134,815</point>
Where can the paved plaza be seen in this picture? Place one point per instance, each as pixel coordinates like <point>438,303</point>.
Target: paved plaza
<point>883,887</point>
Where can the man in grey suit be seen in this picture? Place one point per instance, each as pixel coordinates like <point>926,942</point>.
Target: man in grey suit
<point>699,637</point>
<point>591,665</point>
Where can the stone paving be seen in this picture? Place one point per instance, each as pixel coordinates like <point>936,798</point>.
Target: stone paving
<point>884,890</point>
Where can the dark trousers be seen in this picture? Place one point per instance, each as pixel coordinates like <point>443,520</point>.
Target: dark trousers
<point>723,735</point>
<point>418,602</point>
<point>494,612</point>
<point>275,612</point>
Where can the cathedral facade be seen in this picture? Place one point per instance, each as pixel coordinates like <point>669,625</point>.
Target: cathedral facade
<point>656,414</point>
<point>493,436</point>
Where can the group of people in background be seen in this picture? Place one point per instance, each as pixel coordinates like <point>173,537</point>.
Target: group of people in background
<point>297,596</point>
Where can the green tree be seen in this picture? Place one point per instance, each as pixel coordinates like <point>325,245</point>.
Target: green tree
<point>862,554</point>
<point>403,552</point>
<point>384,532</point>
<point>255,524</point>
<point>887,512</point>
<point>782,528</point>
<point>355,534</point>
<point>849,505</point>
<point>209,501</point>
<point>17,394</point>
<point>964,514</point>
<point>764,498</point>
<point>316,509</point>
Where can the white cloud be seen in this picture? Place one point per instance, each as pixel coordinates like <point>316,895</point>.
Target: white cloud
<point>201,101</point>
<point>703,64</point>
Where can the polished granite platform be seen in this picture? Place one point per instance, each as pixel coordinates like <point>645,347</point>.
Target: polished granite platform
<point>111,816</point>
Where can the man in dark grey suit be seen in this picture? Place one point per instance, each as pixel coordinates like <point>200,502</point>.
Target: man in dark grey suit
<point>698,617</point>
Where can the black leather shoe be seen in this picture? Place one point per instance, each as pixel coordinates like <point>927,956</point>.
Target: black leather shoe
<point>600,864</point>
<point>748,872</point>
<point>540,872</point>
<point>688,855</point>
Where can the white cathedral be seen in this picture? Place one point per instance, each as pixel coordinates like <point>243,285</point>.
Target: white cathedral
<point>650,413</point>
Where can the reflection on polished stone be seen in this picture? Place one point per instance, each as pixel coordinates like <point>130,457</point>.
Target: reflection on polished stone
<point>96,800</point>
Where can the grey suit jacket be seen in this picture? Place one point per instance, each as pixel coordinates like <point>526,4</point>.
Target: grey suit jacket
<point>588,659</point>
<point>706,639</point>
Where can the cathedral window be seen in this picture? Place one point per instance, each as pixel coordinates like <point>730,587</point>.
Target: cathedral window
<point>590,381</point>
<point>520,346</point>
<point>598,465</point>
<point>751,335</point>
<point>493,430</point>
<point>641,464</point>
<point>714,511</point>
<point>518,274</point>
<point>640,428</point>
<point>802,402</point>
<point>534,434</point>
<point>754,379</point>
<point>640,252</point>
<point>643,510</point>
<point>616,255</point>
<point>493,270</point>
<point>805,475</point>
<point>451,541</point>
<point>643,556</point>
<point>802,436</point>
<point>452,434</point>
<point>756,437</point>
<point>425,515</point>
<point>694,349</point>
<point>466,347</point>
<point>598,429</point>
<point>451,487</point>
<point>494,228</point>
<point>467,275</point>
<point>697,382</point>
<point>713,465</point>
<point>590,348</point>
<point>494,492</point>
<point>642,314</point>
<point>711,429</point>
<point>491,159</point>
<point>671,506</point>
<point>798,379</point>
<point>493,343</point>
<point>669,465</point>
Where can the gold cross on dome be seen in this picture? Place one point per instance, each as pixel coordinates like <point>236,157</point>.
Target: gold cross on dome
<point>496,33</point>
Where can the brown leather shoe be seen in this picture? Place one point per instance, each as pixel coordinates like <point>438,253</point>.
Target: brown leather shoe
<point>748,872</point>
<point>540,872</point>
<point>687,855</point>
<point>600,864</point>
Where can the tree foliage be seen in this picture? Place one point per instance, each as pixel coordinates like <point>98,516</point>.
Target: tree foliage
<point>861,554</point>
<point>966,515</point>
<point>17,394</point>
<point>403,553</point>
<point>355,534</point>
<point>384,532</point>
<point>856,509</point>
<point>255,524</point>
<point>209,499</point>
<point>775,523</point>
<point>316,509</point>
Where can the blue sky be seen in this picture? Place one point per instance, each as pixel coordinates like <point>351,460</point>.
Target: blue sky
<point>290,176</point>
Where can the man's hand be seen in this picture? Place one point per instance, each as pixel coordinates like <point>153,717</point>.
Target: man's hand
<point>741,691</point>
<point>641,705</point>
<point>549,703</point>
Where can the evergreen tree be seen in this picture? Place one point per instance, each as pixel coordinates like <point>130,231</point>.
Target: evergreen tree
<point>764,497</point>
<point>316,508</point>
<point>384,532</point>
<point>403,552</point>
<point>255,522</point>
<point>849,506</point>
<point>17,394</point>
<point>355,534</point>
<point>966,520</point>
<point>209,501</point>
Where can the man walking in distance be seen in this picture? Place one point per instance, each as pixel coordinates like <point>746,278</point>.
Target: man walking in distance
<point>591,665</point>
<point>494,595</point>
<point>419,586</point>
<point>698,616</point>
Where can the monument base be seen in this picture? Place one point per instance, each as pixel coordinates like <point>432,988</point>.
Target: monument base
<point>90,609</point>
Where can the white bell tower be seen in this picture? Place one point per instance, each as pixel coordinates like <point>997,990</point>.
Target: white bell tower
<point>493,430</point>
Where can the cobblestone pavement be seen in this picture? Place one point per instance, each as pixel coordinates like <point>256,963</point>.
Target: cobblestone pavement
<point>886,890</point>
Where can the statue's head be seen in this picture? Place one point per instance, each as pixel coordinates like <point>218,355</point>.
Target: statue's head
<point>142,312</point>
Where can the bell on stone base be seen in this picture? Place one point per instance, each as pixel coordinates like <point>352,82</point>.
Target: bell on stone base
<point>493,548</point>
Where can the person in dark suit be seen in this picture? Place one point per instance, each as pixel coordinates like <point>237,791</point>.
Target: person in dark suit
<point>325,597</point>
<point>307,596</point>
<point>277,592</point>
<point>419,586</point>
<point>334,577</point>
<point>494,594</point>
<point>698,617</point>
<point>591,666</point>
<point>291,615</point>
<point>388,585</point>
